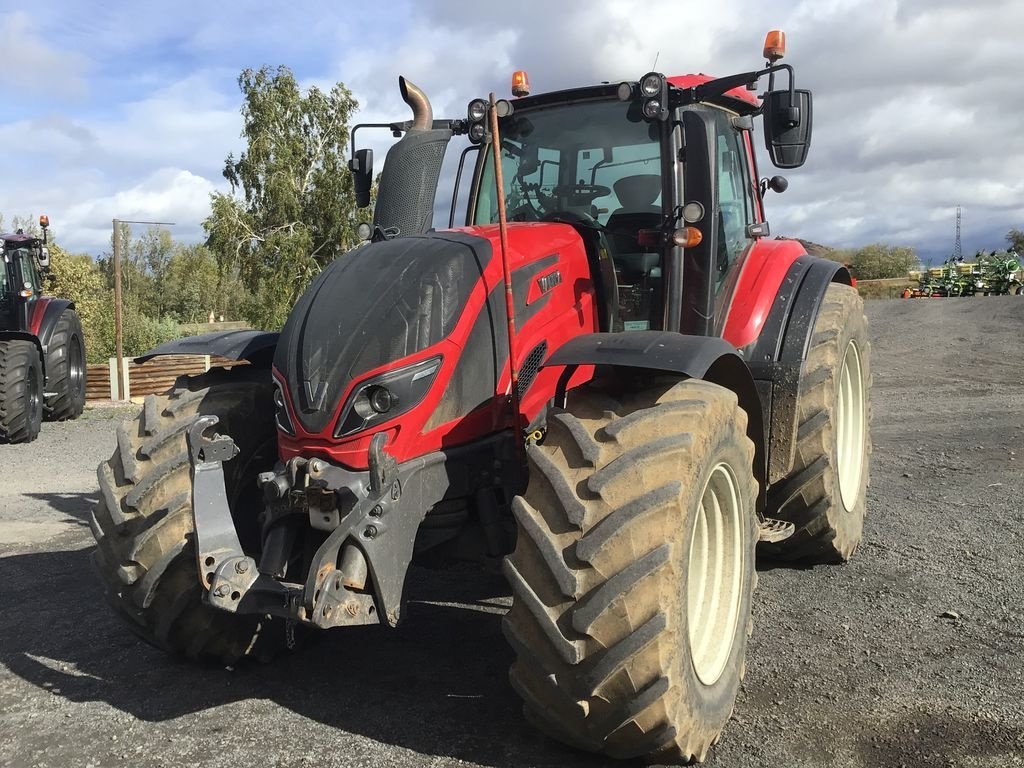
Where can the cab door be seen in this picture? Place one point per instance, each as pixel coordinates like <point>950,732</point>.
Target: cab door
<point>716,175</point>
<point>26,292</point>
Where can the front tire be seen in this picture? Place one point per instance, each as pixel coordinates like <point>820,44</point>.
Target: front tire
<point>633,571</point>
<point>65,369</point>
<point>824,495</point>
<point>145,544</point>
<point>21,391</point>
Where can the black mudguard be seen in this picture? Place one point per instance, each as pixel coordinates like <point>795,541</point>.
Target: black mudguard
<point>255,346</point>
<point>54,309</point>
<point>695,357</point>
<point>777,356</point>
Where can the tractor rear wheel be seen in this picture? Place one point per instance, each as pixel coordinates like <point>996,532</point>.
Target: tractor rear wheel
<point>824,495</point>
<point>65,369</point>
<point>21,391</point>
<point>633,571</point>
<point>145,553</point>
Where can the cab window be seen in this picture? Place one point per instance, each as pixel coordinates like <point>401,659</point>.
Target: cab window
<point>27,270</point>
<point>735,202</point>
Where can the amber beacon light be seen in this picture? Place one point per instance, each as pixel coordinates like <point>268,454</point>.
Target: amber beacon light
<point>775,45</point>
<point>520,83</point>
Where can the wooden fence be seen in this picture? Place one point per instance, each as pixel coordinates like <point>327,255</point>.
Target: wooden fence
<point>151,377</point>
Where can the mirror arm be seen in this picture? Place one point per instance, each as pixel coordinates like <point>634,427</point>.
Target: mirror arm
<point>713,88</point>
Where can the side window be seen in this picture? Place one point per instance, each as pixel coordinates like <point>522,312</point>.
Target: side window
<point>28,271</point>
<point>736,206</point>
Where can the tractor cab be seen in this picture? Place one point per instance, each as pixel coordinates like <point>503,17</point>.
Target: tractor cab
<point>658,176</point>
<point>25,259</point>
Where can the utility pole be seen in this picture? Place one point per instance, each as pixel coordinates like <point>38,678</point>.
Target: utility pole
<point>118,337</point>
<point>958,254</point>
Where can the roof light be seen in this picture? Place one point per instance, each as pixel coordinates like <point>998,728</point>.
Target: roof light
<point>477,110</point>
<point>44,221</point>
<point>651,84</point>
<point>520,83</point>
<point>775,45</point>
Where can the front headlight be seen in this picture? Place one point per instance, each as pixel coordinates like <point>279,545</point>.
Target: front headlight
<point>284,421</point>
<point>386,396</point>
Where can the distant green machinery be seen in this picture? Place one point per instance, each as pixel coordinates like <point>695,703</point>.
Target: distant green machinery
<point>997,273</point>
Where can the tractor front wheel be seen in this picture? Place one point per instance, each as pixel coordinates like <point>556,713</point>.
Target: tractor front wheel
<point>824,495</point>
<point>633,571</point>
<point>21,391</point>
<point>145,553</point>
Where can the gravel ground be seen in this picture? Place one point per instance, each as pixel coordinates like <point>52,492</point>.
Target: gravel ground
<point>910,655</point>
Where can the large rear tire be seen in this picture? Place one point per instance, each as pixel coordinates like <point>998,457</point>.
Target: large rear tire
<point>65,369</point>
<point>824,496</point>
<point>142,522</point>
<point>21,391</point>
<point>633,571</point>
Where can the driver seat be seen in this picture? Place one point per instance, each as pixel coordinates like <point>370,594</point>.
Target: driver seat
<point>636,195</point>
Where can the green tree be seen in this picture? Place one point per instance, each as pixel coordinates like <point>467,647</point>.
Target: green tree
<point>878,261</point>
<point>291,209</point>
<point>1015,238</point>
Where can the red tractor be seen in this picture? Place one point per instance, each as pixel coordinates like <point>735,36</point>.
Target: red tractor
<point>609,376</point>
<point>42,352</point>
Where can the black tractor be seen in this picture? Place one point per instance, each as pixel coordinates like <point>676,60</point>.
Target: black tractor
<point>42,351</point>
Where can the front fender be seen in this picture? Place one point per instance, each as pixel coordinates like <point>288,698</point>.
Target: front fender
<point>255,346</point>
<point>695,357</point>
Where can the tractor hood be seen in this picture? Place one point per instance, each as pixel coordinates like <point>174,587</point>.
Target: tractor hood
<point>376,305</point>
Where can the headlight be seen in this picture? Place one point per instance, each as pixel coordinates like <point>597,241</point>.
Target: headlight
<point>284,421</point>
<point>386,396</point>
<point>651,84</point>
<point>477,110</point>
<point>477,132</point>
<point>652,108</point>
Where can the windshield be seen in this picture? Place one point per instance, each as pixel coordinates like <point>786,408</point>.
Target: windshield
<point>594,159</point>
<point>583,163</point>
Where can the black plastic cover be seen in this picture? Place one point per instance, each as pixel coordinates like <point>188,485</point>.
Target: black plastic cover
<point>377,304</point>
<point>234,345</point>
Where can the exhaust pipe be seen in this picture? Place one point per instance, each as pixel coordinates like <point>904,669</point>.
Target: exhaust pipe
<point>422,112</point>
<point>405,194</point>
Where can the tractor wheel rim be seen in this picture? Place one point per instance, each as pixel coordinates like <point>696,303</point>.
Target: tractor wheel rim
<point>35,402</point>
<point>851,427</point>
<point>715,575</point>
<point>76,370</point>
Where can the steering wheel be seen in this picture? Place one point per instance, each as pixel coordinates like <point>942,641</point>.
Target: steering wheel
<point>574,217</point>
<point>581,194</point>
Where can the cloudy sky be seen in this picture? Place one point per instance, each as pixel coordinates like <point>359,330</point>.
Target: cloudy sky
<point>128,109</point>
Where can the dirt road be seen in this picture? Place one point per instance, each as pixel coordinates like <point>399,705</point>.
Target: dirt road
<point>911,655</point>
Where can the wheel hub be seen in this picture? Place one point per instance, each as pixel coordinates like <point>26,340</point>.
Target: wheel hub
<point>851,427</point>
<point>715,579</point>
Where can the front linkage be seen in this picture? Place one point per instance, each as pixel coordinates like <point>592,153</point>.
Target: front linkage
<point>371,519</point>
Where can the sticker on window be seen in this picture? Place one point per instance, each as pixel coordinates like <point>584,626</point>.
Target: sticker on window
<point>636,325</point>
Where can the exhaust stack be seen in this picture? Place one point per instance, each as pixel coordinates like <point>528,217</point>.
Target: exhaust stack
<point>422,112</point>
<point>408,183</point>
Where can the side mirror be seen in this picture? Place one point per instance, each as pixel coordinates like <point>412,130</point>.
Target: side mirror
<point>44,258</point>
<point>787,127</point>
<point>361,166</point>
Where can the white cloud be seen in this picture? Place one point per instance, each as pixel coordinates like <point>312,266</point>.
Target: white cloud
<point>31,66</point>
<point>169,194</point>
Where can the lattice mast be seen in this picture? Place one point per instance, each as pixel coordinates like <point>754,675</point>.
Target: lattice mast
<point>958,254</point>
